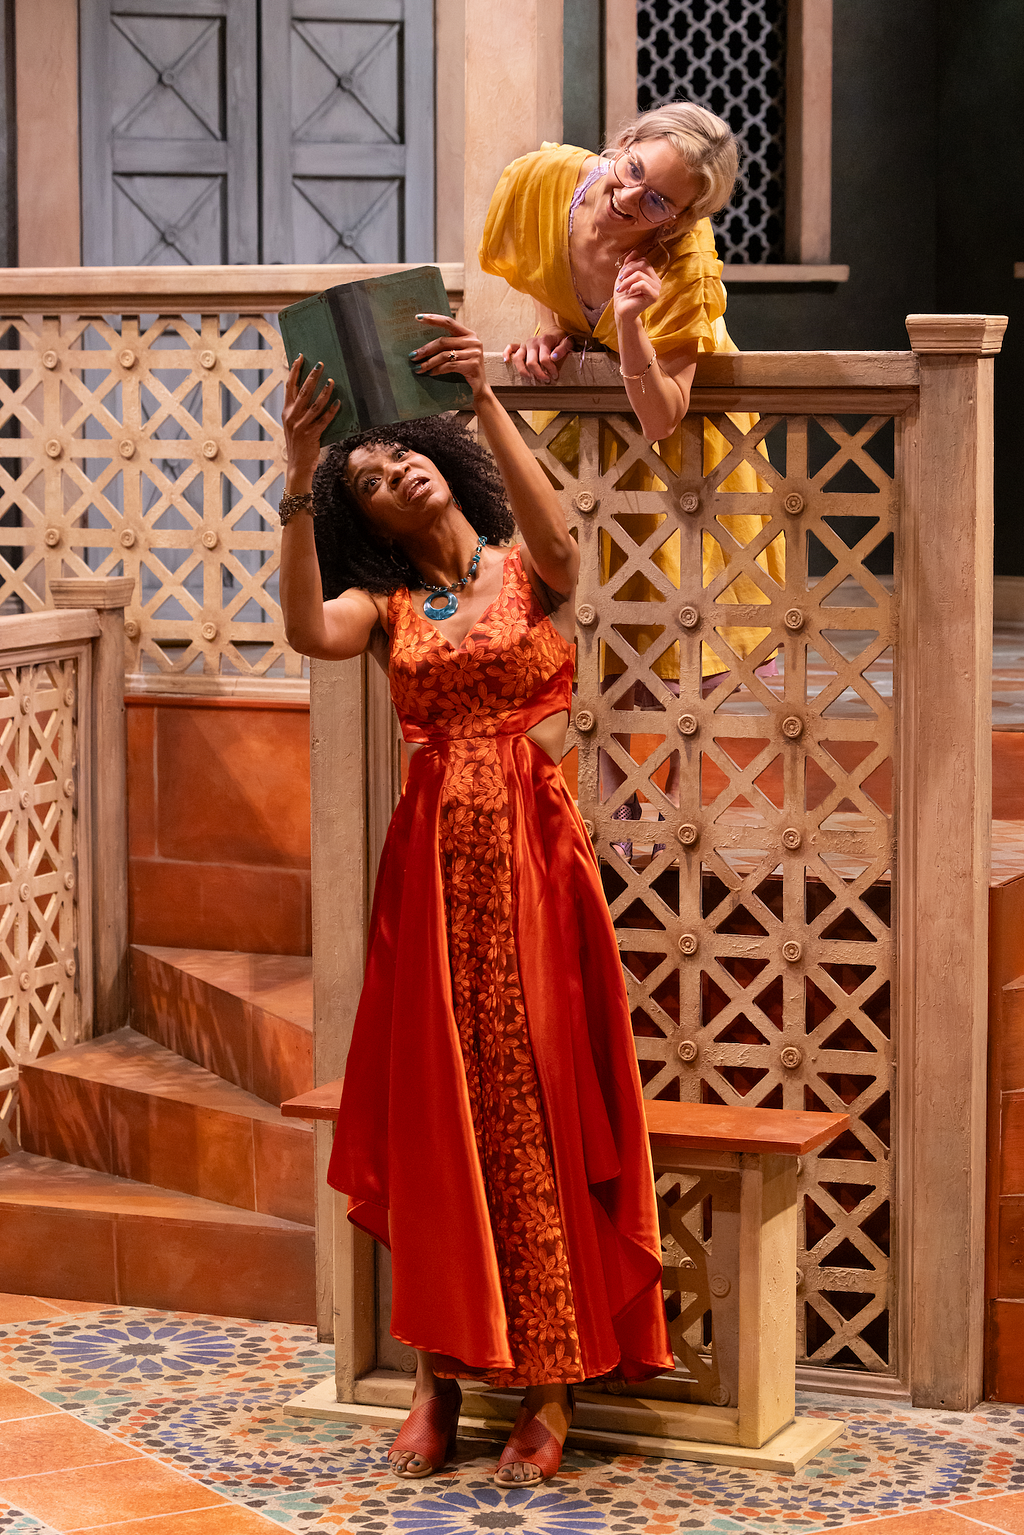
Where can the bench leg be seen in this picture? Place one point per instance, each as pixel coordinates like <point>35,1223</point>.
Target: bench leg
<point>767,1296</point>
<point>355,1303</point>
<point>723,1287</point>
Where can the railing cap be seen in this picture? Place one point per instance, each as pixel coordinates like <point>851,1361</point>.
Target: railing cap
<point>976,335</point>
<point>33,631</point>
<point>92,591</point>
<point>733,370</point>
<point>184,290</point>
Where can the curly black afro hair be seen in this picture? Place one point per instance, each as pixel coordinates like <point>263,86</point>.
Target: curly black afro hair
<point>351,553</point>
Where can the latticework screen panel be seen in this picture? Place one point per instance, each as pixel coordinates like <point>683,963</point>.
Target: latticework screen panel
<point>150,450</point>
<point>728,56</point>
<point>41,977</point>
<point>753,898</point>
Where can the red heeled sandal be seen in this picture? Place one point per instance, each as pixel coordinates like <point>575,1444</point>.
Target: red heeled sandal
<point>430,1431</point>
<point>531,1443</point>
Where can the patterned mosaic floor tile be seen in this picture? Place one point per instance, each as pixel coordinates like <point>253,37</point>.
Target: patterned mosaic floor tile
<point>206,1395</point>
<point>14,1522</point>
<point>457,1506</point>
<point>146,1349</point>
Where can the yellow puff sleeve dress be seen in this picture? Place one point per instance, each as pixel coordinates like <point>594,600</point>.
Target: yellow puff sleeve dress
<point>526,241</point>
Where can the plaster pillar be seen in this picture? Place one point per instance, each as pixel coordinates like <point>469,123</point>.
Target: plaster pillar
<point>513,103</point>
<point>619,65</point>
<point>46,68</point>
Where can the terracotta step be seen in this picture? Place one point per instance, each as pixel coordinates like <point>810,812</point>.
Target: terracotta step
<point>125,1105</point>
<point>1008,775</point>
<point>246,1017</point>
<point>85,1235</point>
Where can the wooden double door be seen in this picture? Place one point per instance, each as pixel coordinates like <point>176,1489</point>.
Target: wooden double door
<point>223,131</point>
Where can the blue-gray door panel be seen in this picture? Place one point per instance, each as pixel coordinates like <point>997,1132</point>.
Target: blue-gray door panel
<point>169,96</point>
<point>348,130</point>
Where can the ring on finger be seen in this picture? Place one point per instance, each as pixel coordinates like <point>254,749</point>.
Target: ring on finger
<point>451,356</point>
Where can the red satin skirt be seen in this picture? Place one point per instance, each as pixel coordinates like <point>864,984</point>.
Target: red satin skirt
<point>492,1130</point>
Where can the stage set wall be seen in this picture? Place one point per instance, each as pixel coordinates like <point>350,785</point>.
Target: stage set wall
<point>927,151</point>
<point>927,154</point>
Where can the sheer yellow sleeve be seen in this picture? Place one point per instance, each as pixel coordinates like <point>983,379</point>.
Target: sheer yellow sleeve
<point>525,238</point>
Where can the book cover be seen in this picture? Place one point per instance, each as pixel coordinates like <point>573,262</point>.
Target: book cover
<point>363,333</point>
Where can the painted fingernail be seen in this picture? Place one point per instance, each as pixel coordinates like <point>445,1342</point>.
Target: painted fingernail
<point>421,317</point>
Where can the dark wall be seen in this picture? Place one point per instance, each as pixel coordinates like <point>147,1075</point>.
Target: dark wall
<point>884,131</point>
<point>583,73</point>
<point>927,206</point>
<point>927,193</point>
<point>980,225</point>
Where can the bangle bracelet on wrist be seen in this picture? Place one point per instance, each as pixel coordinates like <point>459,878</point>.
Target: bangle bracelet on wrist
<point>290,506</point>
<point>631,378</point>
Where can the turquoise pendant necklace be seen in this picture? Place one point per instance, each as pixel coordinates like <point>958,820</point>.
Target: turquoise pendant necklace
<point>450,604</point>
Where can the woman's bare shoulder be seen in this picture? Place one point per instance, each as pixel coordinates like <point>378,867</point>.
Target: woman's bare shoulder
<point>371,607</point>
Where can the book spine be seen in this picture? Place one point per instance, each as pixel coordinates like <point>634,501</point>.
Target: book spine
<point>367,369</point>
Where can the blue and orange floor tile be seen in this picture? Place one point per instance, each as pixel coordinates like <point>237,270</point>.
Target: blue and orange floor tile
<point>136,1422</point>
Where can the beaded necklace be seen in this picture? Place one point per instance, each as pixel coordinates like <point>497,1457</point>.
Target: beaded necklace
<point>450,605</point>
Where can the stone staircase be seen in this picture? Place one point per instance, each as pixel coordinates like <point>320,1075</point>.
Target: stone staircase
<point>155,1167</point>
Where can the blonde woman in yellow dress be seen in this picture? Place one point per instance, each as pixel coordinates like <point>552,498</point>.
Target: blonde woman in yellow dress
<point>619,248</point>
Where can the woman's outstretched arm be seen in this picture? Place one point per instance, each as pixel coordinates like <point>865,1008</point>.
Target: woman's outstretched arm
<point>335,630</point>
<point>535,506</point>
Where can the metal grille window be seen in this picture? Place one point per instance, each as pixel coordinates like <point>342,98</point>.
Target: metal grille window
<point>728,56</point>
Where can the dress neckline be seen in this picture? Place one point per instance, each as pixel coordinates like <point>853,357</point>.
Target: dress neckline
<point>428,623</point>
<point>515,553</point>
<point>592,314</point>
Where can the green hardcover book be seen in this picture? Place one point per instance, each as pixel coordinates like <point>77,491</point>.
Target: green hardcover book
<point>363,333</point>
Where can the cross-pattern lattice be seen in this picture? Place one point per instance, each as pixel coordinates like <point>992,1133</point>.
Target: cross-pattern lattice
<point>690,1207</point>
<point>151,451</point>
<point>754,914</point>
<point>40,1003</point>
<point>729,56</point>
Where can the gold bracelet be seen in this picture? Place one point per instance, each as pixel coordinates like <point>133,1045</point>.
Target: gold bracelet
<point>290,506</point>
<point>631,378</point>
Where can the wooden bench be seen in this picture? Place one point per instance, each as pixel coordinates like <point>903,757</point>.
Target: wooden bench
<point>740,1410</point>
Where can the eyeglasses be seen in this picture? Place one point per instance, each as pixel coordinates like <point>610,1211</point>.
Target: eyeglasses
<point>628,172</point>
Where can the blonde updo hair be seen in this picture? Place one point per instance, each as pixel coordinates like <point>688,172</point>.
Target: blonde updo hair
<point>706,145</point>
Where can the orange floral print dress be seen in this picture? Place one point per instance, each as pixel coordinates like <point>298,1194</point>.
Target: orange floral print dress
<point>491,1129</point>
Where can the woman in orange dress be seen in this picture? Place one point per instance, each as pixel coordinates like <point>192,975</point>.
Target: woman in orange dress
<point>491,1129</point>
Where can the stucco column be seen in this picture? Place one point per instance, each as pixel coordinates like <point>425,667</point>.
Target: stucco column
<point>49,198</point>
<point>513,103</point>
